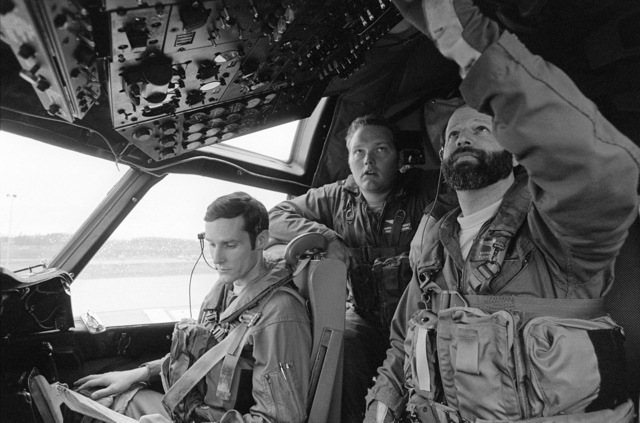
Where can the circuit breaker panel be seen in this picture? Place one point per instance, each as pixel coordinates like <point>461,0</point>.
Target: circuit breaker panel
<point>184,75</point>
<point>179,75</point>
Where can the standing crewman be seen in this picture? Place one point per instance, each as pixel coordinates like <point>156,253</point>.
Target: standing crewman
<point>503,319</point>
<point>247,321</point>
<point>369,219</point>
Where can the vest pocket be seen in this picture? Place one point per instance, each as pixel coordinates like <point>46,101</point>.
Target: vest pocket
<point>575,365</point>
<point>286,396</point>
<point>477,364</point>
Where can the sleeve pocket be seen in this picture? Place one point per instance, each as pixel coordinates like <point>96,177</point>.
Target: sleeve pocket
<point>285,394</point>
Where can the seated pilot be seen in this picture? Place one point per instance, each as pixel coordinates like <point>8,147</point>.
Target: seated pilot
<point>254,301</point>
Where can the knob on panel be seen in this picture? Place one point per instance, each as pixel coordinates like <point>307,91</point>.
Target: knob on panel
<point>169,140</point>
<point>196,127</point>
<point>143,134</point>
<point>169,128</point>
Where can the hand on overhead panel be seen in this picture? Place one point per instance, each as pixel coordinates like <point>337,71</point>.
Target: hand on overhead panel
<point>458,29</point>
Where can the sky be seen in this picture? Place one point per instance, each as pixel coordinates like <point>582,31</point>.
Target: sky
<point>46,189</point>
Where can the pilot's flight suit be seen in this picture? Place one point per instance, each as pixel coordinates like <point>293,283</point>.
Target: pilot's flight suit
<point>339,211</point>
<point>565,224</point>
<point>271,379</point>
<point>278,370</point>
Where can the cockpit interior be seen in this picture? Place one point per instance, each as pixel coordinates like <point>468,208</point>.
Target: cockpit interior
<point>165,87</point>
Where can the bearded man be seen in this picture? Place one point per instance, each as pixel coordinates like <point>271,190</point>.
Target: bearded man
<point>503,319</point>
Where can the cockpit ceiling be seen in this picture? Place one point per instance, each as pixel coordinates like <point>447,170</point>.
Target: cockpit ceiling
<point>151,83</point>
<point>182,75</point>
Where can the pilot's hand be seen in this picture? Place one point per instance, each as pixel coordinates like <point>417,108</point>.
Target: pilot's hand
<point>458,29</point>
<point>411,10</point>
<point>337,250</point>
<point>111,383</point>
<point>154,418</point>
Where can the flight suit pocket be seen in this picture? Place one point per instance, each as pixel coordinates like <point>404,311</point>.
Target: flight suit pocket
<point>513,265</point>
<point>286,396</point>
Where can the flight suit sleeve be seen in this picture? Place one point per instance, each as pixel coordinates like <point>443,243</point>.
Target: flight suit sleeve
<point>281,370</point>
<point>311,212</point>
<point>583,173</point>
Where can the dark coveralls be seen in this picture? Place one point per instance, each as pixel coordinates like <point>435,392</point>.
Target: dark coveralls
<point>575,207</point>
<point>339,211</point>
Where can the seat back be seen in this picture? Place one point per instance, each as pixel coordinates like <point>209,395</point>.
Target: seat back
<point>323,282</point>
<point>623,304</point>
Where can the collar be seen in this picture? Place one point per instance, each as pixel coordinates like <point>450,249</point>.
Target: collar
<point>506,222</point>
<point>276,270</point>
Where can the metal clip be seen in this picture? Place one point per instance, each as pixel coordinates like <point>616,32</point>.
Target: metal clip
<point>427,297</point>
<point>254,319</point>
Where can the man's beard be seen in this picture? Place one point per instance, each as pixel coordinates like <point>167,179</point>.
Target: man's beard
<point>491,168</point>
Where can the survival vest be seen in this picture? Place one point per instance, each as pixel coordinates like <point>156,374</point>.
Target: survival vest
<point>381,274</point>
<point>504,358</point>
<point>203,362</point>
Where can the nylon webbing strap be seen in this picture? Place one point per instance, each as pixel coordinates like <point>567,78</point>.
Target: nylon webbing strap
<point>233,343</point>
<point>257,299</point>
<point>201,367</point>
<point>230,362</point>
<point>396,229</point>
<point>422,361</point>
<point>534,307</point>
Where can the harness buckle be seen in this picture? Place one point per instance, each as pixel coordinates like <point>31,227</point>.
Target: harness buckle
<point>489,269</point>
<point>452,299</point>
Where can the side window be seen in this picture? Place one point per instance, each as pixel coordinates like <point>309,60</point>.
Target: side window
<point>46,193</point>
<point>146,272</point>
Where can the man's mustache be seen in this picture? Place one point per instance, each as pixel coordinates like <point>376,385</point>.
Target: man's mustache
<point>466,150</point>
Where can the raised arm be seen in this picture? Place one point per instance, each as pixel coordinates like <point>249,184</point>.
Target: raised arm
<point>583,173</point>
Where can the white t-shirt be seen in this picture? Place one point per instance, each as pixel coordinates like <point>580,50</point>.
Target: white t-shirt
<point>231,296</point>
<point>237,289</point>
<point>470,226</point>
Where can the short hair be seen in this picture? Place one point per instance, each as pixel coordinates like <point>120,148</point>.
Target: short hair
<point>371,120</point>
<point>230,206</point>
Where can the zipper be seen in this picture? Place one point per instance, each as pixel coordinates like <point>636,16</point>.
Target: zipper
<point>521,369</point>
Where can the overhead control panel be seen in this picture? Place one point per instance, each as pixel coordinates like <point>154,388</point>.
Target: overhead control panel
<point>53,42</point>
<point>183,75</point>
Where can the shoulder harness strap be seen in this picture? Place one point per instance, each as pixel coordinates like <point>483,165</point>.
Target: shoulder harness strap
<point>230,362</point>
<point>488,253</point>
<point>228,349</point>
